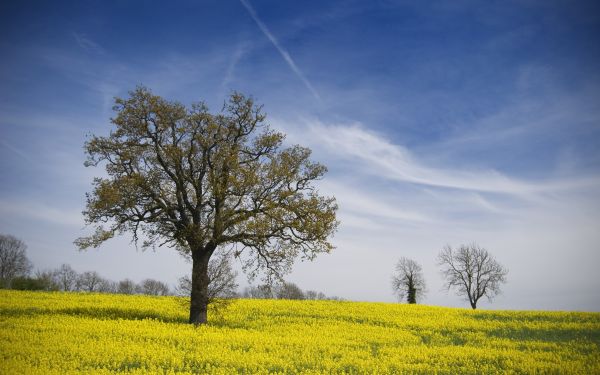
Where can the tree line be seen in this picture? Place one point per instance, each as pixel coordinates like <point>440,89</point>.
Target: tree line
<point>16,273</point>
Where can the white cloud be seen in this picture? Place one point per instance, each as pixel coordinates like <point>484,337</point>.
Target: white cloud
<point>87,44</point>
<point>396,162</point>
<point>41,211</point>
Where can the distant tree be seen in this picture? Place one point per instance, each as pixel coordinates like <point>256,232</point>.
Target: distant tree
<point>289,291</point>
<point>48,280</point>
<point>13,260</point>
<point>66,277</point>
<point>222,279</point>
<point>264,291</point>
<point>126,286</point>
<point>27,283</point>
<point>472,271</point>
<point>153,287</point>
<point>107,286</point>
<point>194,180</point>
<point>89,281</point>
<point>408,281</point>
<point>314,295</point>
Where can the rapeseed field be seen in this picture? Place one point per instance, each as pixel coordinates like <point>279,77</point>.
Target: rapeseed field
<point>68,333</point>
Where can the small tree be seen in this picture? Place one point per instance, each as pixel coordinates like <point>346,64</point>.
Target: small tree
<point>13,260</point>
<point>107,286</point>
<point>153,287</point>
<point>289,291</point>
<point>264,291</point>
<point>314,295</point>
<point>126,286</point>
<point>66,278</point>
<point>47,280</point>
<point>408,281</point>
<point>28,283</point>
<point>472,271</point>
<point>89,281</point>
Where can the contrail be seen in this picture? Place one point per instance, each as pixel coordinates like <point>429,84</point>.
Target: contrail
<point>286,56</point>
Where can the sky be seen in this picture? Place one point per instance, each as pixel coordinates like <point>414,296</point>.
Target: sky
<point>440,122</point>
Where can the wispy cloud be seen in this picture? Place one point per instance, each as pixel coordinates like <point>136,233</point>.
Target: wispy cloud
<point>354,200</point>
<point>396,162</point>
<point>40,211</point>
<point>286,56</point>
<point>87,44</point>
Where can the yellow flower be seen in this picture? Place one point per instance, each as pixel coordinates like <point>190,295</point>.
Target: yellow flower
<point>75,333</point>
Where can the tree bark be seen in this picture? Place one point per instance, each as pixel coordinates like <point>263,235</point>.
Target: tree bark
<point>199,293</point>
<point>412,292</point>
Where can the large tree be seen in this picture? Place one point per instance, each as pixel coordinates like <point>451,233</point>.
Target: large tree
<point>408,281</point>
<point>473,271</point>
<point>193,180</point>
<point>13,260</point>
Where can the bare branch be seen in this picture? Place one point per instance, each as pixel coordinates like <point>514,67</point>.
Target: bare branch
<point>472,271</point>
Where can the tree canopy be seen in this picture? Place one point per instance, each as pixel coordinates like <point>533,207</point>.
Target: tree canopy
<point>193,180</point>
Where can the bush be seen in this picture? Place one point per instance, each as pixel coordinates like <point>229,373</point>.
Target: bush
<point>28,283</point>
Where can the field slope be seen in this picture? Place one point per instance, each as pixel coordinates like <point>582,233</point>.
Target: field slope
<point>62,333</point>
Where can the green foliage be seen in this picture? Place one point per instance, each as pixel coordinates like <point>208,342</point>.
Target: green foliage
<point>29,283</point>
<point>195,180</point>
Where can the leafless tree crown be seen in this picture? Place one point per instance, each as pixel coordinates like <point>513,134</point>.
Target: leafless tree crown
<point>222,278</point>
<point>408,281</point>
<point>13,259</point>
<point>472,271</point>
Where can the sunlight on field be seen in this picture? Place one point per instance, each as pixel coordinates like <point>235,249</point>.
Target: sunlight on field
<point>60,333</point>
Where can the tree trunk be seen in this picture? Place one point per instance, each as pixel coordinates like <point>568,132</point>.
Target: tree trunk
<point>412,292</point>
<point>199,293</point>
<point>474,305</point>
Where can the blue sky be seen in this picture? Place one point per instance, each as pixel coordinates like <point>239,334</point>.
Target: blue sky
<point>441,122</point>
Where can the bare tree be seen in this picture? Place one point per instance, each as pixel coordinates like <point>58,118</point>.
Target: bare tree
<point>472,271</point>
<point>408,281</point>
<point>193,180</point>
<point>314,295</point>
<point>153,287</point>
<point>289,291</point>
<point>13,260</point>
<point>126,286</point>
<point>47,280</point>
<point>66,277</point>
<point>264,291</point>
<point>221,279</point>
<point>89,281</point>
<point>107,286</point>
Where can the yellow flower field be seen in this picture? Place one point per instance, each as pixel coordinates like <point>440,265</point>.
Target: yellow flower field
<point>63,333</point>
